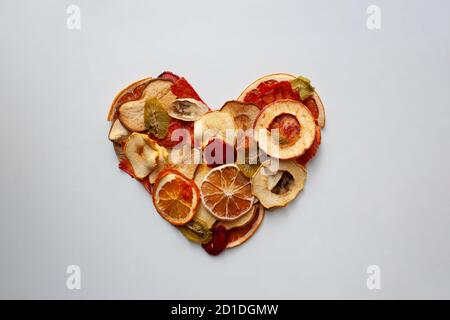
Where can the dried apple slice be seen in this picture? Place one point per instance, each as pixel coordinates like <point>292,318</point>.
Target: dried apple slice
<point>131,115</point>
<point>129,93</point>
<point>316,104</point>
<point>296,128</point>
<point>288,185</point>
<point>187,109</point>
<point>118,133</point>
<point>244,114</point>
<point>215,124</point>
<point>143,154</point>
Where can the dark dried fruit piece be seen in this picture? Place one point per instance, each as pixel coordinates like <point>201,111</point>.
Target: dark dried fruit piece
<point>218,242</point>
<point>196,231</point>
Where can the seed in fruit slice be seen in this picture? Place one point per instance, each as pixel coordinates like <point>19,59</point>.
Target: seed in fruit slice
<point>244,114</point>
<point>187,109</point>
<point>239,235</point>
<point>296,129</point>
<point>156,118</point>
<point>175,197</point>
<point>226,192</point>
<point>143,153</point>
<point>196,231</point>
<point>289,181</point>
<point>214,124</point>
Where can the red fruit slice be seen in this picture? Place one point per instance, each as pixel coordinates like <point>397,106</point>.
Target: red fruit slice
<point>125,166</point>
<point>311,152</point>
<point>218,242</point>
<point>270,91</point>
<point>171,140</point>
<point>167,75</point>
<point>218,152</point>
<point>182,89</point>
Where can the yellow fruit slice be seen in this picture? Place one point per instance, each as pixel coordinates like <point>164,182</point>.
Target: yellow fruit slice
<point>226,192</point>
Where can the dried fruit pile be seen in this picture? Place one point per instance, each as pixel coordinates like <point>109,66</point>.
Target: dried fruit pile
<point>212,174</point>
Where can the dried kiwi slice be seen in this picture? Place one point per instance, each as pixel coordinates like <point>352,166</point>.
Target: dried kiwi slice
<point>156,118</point>
<point>196,231</point>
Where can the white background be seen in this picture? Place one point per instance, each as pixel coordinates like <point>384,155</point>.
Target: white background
<point>378,192</point>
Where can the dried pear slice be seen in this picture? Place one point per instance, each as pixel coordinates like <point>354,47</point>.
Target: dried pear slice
<point>294,112</point>
<point>187,109</point>
<point>215,124</point>
<point>289,184</point>
<point>196,231</point>
<point>156,118</point>
<point>244,114</point>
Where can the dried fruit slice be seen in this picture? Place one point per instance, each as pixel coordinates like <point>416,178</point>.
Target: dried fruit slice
<point>156,118</point>
<point>175,197</point>
<point>187,109</point>
<point>131,113</point>
<point>215,124</point>
<point>311,152</point>
<point>296,125</point>
<point>239,235</point>
<point>167,75</point>
<point>196,231</point>
<point>242,221</point>
<point>129,93</point>
<point>184,159</point>
<point>217,152</point>
<point>202,213</point>
<point>244,114</point>
<point>143,154</point>
<point>274,77</point>
<point>182,89</point>
<point>118,133</point>
<point>253,94</point>
<point>286,188</point>
<point>218,242</point>
<point>178,133</point>
<point>226,192</point>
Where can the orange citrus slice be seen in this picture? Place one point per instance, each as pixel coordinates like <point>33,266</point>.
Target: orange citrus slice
<point>239,235</point>
<point>226,192</point>
<point>175,197</point>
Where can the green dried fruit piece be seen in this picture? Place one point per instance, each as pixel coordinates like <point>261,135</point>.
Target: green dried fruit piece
<point>156,118</point>
<point>196,231</point>
<point>303,86</point>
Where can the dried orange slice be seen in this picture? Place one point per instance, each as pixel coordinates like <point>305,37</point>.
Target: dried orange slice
<point>175,197</point>
<point>226,192</point>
